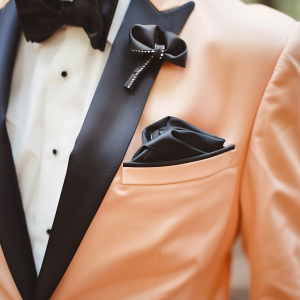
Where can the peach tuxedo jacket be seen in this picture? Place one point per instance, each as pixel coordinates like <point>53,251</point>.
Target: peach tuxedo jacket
<point>165,233</point>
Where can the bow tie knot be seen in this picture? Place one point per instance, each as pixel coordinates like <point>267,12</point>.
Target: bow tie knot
<point>159,51</point>
<point>67,14</point>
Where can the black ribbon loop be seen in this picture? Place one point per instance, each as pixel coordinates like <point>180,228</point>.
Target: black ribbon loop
<point>152,44</point>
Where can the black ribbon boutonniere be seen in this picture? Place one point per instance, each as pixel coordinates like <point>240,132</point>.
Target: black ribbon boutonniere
<point>152,44</point>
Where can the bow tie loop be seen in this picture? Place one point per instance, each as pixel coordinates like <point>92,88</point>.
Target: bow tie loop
<point>152,44</point>
<point>41,18</point>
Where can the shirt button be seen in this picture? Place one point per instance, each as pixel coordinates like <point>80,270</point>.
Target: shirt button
<point>49,231</point>
<point>64,74</point>
<point>54,151</point>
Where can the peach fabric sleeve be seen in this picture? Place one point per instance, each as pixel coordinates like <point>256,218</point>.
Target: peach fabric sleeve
<point>270,194</point>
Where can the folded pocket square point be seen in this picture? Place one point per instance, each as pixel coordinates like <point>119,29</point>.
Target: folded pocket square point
<point>172,141</point>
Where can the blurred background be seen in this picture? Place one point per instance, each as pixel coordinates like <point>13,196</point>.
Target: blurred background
<point>290,7</point>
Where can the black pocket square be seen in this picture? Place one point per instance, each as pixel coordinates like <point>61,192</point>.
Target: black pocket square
<point>171,141</point>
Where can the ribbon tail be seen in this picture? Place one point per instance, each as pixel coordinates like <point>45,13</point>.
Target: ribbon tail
<point>136,74</point>
<point>134,77</point>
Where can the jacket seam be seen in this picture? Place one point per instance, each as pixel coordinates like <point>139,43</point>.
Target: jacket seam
<point>272,75</point>
<point>261,101</point>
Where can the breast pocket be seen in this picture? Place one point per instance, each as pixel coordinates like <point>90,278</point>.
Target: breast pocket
<point>187,212</point>
<point>178,173</point>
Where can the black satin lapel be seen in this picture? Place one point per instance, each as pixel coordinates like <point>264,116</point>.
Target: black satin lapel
<point>103,141</point>
<point>14,237</point>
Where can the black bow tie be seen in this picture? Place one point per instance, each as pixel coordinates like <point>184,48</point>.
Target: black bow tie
<point>41,18</point>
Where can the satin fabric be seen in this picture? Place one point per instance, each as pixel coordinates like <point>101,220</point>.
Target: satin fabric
<point>147,37</point>
<point>32,131</point>
<point>40,19</point>
<point>153,46</point>
<point>171,139</point>
<point>166,233</point>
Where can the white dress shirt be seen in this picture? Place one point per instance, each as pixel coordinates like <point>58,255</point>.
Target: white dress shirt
<point>52,87</point>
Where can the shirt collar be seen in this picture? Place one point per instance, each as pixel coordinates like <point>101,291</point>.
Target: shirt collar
<point>117,20</point>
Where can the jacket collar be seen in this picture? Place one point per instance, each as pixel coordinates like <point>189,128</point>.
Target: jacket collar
<point>14,237</point>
